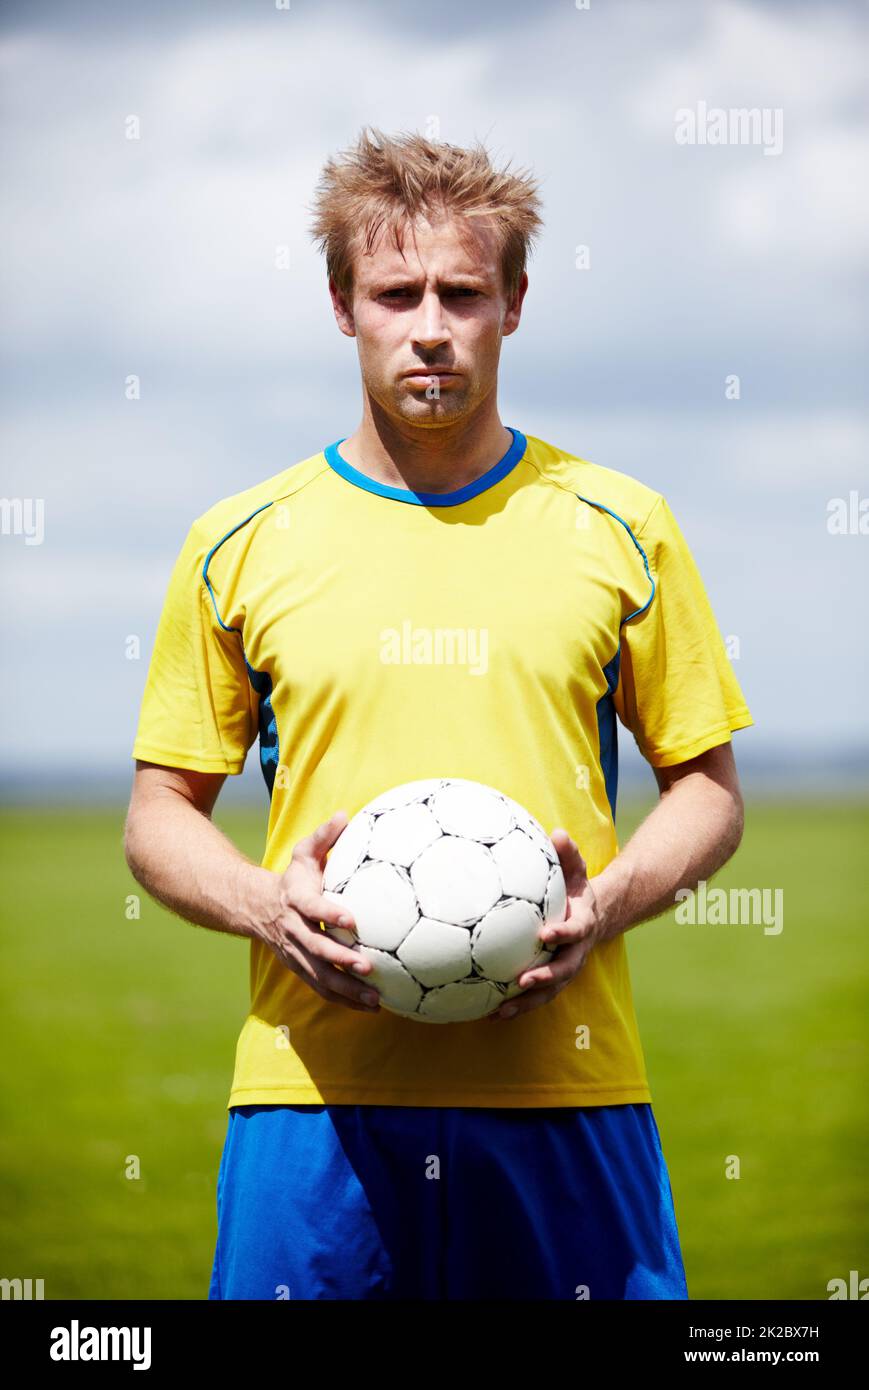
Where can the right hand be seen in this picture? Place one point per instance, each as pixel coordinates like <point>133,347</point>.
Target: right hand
<point>295,934</point>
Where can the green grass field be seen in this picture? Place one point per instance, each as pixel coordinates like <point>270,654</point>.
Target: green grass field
<point>118,1040</point>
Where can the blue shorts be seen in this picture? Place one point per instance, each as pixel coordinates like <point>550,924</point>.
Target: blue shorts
<point>417,1202</point>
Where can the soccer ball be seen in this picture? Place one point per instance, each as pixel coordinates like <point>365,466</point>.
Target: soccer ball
<point>449,882</point>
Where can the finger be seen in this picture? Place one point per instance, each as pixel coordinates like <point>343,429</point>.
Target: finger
<point>577,926</point>
<point>325,980</point>
<point>343,988</point>
<point>560,970</point>
<point>530,999</point>
<point>573,865</point>
<point>311,937</point>
<point>316,845</point>
<point>541,985</point>
<point>318,906</point>
<point>307,933</point>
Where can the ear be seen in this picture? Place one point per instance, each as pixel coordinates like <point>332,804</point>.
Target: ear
<point>514,307</point>
<point>342,305</point>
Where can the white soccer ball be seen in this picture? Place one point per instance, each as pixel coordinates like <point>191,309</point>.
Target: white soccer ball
<point>449,882</point>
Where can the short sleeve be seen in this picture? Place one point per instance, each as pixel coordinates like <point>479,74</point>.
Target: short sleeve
<point>676,692</point>
<point>198,708</point>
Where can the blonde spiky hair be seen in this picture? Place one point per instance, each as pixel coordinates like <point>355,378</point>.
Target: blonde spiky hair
<point>385,181</point>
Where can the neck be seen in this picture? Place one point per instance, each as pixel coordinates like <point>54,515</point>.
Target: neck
<point>427,458</point>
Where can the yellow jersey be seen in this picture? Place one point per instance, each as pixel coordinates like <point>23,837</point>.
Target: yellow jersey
<point>368,636</point>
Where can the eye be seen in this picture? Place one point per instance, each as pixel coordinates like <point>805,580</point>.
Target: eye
<point>463,291</point>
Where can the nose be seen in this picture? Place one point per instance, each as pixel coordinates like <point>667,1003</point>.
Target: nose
<point>430,327</point>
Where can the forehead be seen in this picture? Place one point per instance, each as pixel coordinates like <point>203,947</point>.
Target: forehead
<point>444,246</point>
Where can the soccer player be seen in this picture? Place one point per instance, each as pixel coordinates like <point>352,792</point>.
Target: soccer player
<point>369,1156</point>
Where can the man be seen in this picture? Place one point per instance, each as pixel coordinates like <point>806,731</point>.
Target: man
<point>367,1155</point>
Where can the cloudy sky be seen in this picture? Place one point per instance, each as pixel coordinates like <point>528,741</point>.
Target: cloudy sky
<point>156,256</point>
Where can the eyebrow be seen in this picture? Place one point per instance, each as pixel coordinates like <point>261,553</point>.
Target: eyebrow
<point>398,281</point>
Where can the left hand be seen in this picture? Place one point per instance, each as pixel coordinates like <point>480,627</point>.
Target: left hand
<point>571,939</point>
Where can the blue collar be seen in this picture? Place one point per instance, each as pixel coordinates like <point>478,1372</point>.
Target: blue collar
<point>430,499</point>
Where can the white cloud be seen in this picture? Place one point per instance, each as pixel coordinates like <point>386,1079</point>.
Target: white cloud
<point>812,201</point>
<point>156,256</point>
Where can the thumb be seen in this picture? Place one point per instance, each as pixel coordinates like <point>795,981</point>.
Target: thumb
<point>316,845</point>
<point>573,865</point>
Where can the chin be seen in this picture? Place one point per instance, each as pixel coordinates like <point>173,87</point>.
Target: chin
<point>438,410</point>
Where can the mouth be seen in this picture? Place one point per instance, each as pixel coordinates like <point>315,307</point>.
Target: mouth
<point>440,373</point>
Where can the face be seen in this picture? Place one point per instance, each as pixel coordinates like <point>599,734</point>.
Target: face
<point>429,323</point>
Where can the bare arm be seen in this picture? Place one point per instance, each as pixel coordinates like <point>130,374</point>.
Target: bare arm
<point>695,828</point>
<point>182,859</point>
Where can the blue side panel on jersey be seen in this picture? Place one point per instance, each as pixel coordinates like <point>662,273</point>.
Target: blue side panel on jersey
<point>269,750</point>
<point>606,711</point>
<point>607,729</point>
